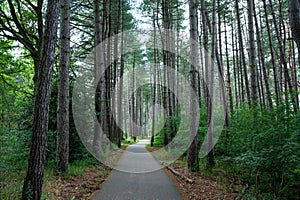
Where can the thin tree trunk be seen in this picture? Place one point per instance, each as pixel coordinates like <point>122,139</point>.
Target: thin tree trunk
<point>193,157</point>
<point>263,62</point>
<point>273,59</point>
<point>205,24</point>
<point>108,74</point>
<point>210,156</point>
<point>99,67</point>
<point>154,80</point>
<point>228,85</point>
<point>120,89</point>
<point>283,57</point>
<point>235,66</point>
<point>241,47</point>
<point>252,54</point>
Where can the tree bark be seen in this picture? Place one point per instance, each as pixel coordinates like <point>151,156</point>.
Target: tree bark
<point>263,62</point>
<point>241,47</point>
<point>63,90</point>
<point>154,80</point>
<point>99,67</point>
<point>252,54</point>
<point>273,59</point>
<point>193,157</point>
<point>32,188</point>
<point>294,15</point>
<point>120,90</point>
<point>283,58</point>
<point>210,159</point>
<point>228,79</point>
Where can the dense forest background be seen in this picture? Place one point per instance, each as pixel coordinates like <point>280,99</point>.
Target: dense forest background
<point>255,46</point>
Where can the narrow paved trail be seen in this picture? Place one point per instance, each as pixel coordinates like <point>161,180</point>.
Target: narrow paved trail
<point>138,177</point>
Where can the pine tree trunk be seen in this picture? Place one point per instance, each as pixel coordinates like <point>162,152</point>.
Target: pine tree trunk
<point>108,74</point>
<point>228,79</point>
<point>63,90</point>
<point>263,62</point>
<point>193,159</point>
<point>273,59</point>
<point>252,54</point>
<point>99,65</point>
<point>120,89</point>
<point>32,188</point>
<point>241,47</point>
<point>283,58</point>
<point>294,15</point>
<point>235,66</point>
<point>210,160</point>
<point>154,80</point>
<point>205,45</point>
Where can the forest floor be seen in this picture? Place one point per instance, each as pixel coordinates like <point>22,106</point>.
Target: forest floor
<point>77,186</point>
<point>80,182</point>
<point>203,185</point>
<point>80,185</point>
<point>83,180</point>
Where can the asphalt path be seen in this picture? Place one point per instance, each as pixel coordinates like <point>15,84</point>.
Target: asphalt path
<point>138,176</point>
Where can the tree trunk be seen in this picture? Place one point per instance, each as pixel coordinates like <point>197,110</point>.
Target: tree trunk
<point>252,54</point>
<point>108,51</point>
<point>154,80</point>
<point>283,58</point>
<point>263,62</point>
<point>235,65</point>
<point>241,47</point>
<point>33,182</point>
<point>63,90</point>
<point>228,79</point>
<point>294,15</point>
<point>273,59</point>
<point>210,156</point>
<point>193,157</point>
<point>99,67</point>
<point>120,89</point>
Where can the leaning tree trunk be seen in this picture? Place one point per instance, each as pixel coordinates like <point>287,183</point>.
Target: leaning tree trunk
<point>63,90</point>
<point>33,182</point>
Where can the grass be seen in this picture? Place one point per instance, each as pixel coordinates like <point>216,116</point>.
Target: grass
<point>11,180</point>
<point>129,141</point>
<point>11,183</point>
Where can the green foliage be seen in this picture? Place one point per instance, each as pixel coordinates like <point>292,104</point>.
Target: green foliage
<point>266,148</point>
<point>11,184</point>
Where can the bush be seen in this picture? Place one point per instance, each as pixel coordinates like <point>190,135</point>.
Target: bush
<point>266,148</point>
